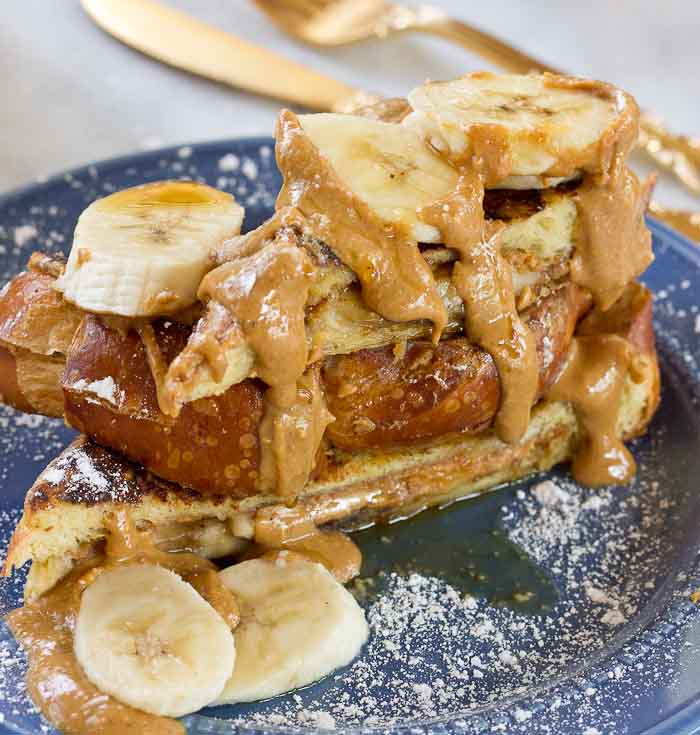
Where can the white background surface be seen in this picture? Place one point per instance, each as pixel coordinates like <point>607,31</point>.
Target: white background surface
<point>71,94</point>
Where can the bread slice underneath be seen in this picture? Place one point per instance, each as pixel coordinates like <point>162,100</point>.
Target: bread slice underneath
<point>65,510</point>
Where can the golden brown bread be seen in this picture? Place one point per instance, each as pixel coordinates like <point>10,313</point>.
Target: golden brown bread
<point>380,398</point>
<point>10,392</point>
<point>110,395</point>
<point>213,446</point>
<point>36,329</point>
<point>65,509</point>
<point>35,317</point>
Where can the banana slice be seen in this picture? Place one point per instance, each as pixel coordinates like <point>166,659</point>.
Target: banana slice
<point>297,625</point>
<point>537,126</point>
<point>142,252</point>
<point>386,165</point>
<point>151,641</point>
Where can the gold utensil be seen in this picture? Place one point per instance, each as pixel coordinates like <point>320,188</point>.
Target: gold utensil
<point>177,39</point>
<point>687,223</point>
<point>340,22</point>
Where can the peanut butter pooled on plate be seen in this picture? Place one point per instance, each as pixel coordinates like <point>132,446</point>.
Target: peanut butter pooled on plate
<point>44,627</point>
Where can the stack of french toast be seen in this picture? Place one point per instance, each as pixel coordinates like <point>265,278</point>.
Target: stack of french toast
<point>444,300</point>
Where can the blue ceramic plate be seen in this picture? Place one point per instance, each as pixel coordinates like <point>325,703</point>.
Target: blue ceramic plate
<point>600,633</point>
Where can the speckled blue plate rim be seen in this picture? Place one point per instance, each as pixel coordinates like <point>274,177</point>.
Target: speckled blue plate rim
<point>130,159</point>
<point>685,719</point>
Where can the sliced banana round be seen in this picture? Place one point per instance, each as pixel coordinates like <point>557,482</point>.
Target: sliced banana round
<point>148,639</point>
<point>537,125</point>
<point>142,252</point>
<point>297,625</point>
<point>386,165</point>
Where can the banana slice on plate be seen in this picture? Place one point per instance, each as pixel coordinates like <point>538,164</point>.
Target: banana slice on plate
<point>148,639</point>
<point>388,166</point>
<point>540,126</point>
<point>142,252</point>
<point>297,625</point>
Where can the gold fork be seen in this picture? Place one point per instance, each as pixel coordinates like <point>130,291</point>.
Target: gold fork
<point>340,22</point>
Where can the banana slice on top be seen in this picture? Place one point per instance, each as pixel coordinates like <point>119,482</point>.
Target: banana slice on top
<point>298,624</point>
<point>148,639</point>
<point>538,125</point>
<point>388,166</point>
<point>143,251</point>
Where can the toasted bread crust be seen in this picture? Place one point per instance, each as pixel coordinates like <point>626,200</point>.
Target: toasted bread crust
<point>382,399</point>
<point>65,508</point>
<point>212,445</point>
<point>35,317</point>
<point>10,392</point>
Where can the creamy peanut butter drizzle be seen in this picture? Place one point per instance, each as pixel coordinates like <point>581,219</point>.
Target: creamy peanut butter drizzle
<point>396,281</point>
<point>614,245</point>
<point>291,432</point>
<point>265,286</point>
<point>592,380</point>
<point>483,279</point>
<point>293,530</point>
<point>266,290</point>
<point>56,682</point>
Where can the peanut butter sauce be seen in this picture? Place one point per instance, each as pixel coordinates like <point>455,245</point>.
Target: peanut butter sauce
<point>293,528</point>
<point>266,291</point>
<point>614,245</point>
<point>592,380</point>
<point>291,432</point>
<point>265,286</point>
<point>484,282</point>
<point>396,281</point>
<point>56,682</point>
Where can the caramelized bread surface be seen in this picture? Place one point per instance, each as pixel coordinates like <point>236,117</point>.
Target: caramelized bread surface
<point>405,394</point>
<point>381,398</point>
<point>64,511</point>
<point>110,395</point>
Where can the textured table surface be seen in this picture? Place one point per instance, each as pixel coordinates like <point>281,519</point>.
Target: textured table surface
<point>71,94</point>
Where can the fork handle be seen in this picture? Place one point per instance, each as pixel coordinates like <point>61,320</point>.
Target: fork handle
<point>676,153</point>
<point>489,47</point>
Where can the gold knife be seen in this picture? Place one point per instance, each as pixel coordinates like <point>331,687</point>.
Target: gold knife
<point>177,39</point>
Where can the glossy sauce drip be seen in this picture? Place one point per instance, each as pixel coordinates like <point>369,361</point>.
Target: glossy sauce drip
<point>614,245</point>
<point>44,627</point>
<point>294,531</point>
<point>291,432</point>
<point>396,281</point>
<point>592,381</point>
<point>266,291</point>
<point>484,282</point>
<point>265,286</point>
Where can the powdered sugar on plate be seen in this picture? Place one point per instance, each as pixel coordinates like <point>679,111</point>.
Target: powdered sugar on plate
<point>615,555</point>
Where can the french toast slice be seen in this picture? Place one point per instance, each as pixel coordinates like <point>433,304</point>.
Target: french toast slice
<point>109,394</point>
<point>65,510</point>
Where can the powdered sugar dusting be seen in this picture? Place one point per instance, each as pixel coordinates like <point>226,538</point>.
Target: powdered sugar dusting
<point>106,389</point>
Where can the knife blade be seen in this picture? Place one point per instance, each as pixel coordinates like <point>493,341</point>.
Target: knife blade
<point>182,41</point>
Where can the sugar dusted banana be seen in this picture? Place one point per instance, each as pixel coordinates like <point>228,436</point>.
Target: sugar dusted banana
<point>298,624</point>
<point>540,126</point>
<point>386,165</point>
<point>151,641</point>
<point>142,252</point>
